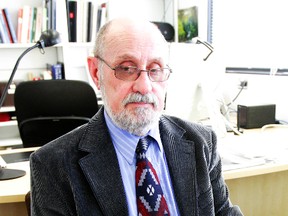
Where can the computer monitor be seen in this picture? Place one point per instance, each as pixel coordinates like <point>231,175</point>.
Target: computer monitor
<point>191,86</point>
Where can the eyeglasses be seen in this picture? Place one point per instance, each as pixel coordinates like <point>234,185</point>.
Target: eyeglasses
<point>131,73</point>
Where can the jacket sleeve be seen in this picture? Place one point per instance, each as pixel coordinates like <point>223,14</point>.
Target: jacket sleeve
<point>222,203</point>
<point>47,198</point>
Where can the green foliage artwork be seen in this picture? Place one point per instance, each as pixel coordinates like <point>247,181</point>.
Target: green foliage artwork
<point>187,24</point>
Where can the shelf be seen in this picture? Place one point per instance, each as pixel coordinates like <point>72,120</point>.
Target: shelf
<point>10,142</point>
<point>15,45</point>
<point>8,123</point>
<point>27,45</point>
<point>7,109</point>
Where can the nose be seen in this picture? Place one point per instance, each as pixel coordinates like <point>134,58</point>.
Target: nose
<point>143,84</point>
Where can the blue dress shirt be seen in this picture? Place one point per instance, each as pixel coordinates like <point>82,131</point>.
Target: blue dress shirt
<point>125,146</point>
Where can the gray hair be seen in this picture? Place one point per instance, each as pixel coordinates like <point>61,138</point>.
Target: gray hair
<point>100,39</point>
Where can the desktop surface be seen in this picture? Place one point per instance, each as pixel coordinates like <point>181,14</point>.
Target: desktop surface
<point>14,190</point>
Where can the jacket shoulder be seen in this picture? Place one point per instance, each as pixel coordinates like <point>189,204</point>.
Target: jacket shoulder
<point>188,128</point>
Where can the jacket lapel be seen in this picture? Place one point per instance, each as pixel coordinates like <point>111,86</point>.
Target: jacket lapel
<point>180,155</point>
<point>101,168</point>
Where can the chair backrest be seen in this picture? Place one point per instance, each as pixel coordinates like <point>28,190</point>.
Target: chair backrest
<point>28,203</point>
<point>47,109</point>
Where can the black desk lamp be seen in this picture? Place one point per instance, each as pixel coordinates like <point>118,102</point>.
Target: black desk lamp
<point>48,38</point>
<point>197,40</point>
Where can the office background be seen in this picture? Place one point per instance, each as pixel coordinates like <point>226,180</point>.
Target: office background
<point>198,89</point>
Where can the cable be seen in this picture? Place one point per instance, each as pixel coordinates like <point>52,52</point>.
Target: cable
<point>228,123</point>
<point>166,9</point>
<point>235,98</point>
<point>273,125</point>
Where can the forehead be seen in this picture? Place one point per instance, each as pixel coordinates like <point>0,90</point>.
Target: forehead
<point>141,40</point>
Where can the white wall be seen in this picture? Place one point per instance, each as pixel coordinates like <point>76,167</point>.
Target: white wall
<point>253,33</point>
<point>153,10</point>
<point>261,89</point>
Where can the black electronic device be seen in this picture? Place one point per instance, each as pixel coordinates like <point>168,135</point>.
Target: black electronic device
<point>166,29</point>
<point>255,116</point>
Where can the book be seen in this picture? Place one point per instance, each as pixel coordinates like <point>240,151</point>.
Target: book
<point>103,17</point>
<point>73,20</point>
<point>25,23</point>
<point>67,18</point>
<point>187,24</point>
<point>94,21</point>
<point>89,21</point>
<point>99,11</point>
<point>3,29</point>
<point>54,18</point>
<point>44,25</point>
<point>19,24</point>
<point>48,6</point>
<point>84,17</point>
<point>10,25</point>
<point>80,21</point>
<point>56,70</point>
<point>12,31</point>
<point>39,23</point>
<point>32,25</point>
<point>61,23</point>
<point>63,69</point>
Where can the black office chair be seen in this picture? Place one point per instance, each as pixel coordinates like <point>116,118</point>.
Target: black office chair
<point>28,203</point>
<point>47,109</point>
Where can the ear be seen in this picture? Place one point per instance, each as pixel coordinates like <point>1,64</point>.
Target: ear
<point>93,70</point>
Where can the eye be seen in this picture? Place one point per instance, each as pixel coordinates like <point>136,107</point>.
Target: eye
<point>124,68</point>
<point>127,69</point>
<point>155,72</point>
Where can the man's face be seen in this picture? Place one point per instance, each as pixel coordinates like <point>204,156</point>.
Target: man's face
<point>133,105</point>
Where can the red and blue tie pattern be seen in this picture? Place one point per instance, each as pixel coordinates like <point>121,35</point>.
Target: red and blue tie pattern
<point>150,198</point>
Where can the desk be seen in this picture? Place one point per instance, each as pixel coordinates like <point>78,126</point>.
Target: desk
<point>259,191</point>
<point>261,194</point>
<point>12,193</point>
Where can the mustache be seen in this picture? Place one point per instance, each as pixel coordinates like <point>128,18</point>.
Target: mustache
<point>137,97</point>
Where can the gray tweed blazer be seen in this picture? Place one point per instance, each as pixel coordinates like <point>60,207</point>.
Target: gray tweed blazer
<point>78,173</point>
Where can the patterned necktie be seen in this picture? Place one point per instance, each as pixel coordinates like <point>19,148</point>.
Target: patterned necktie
<point>150,199</point>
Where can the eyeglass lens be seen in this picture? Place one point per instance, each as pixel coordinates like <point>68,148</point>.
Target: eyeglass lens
<point>132,73</point>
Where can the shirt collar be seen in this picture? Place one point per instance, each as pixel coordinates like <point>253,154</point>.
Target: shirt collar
<point>126,143</point>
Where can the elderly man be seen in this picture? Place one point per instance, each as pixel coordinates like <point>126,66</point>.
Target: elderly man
<point>130,159</point>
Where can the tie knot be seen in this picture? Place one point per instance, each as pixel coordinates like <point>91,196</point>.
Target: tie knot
<point>142,145</point>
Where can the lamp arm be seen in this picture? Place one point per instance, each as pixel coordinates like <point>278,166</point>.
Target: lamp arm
<point>208,46</point>
<point>5,91</point>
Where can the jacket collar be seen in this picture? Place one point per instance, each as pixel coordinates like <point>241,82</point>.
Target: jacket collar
<point>100,166</point>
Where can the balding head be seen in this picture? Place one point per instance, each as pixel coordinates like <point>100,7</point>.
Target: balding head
<point>119,29</point>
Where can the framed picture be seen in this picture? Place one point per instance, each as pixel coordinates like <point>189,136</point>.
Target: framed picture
<point>187,24</point>
<point>193,19</point>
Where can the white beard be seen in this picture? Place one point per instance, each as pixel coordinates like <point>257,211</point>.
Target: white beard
<point>138,121</point>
